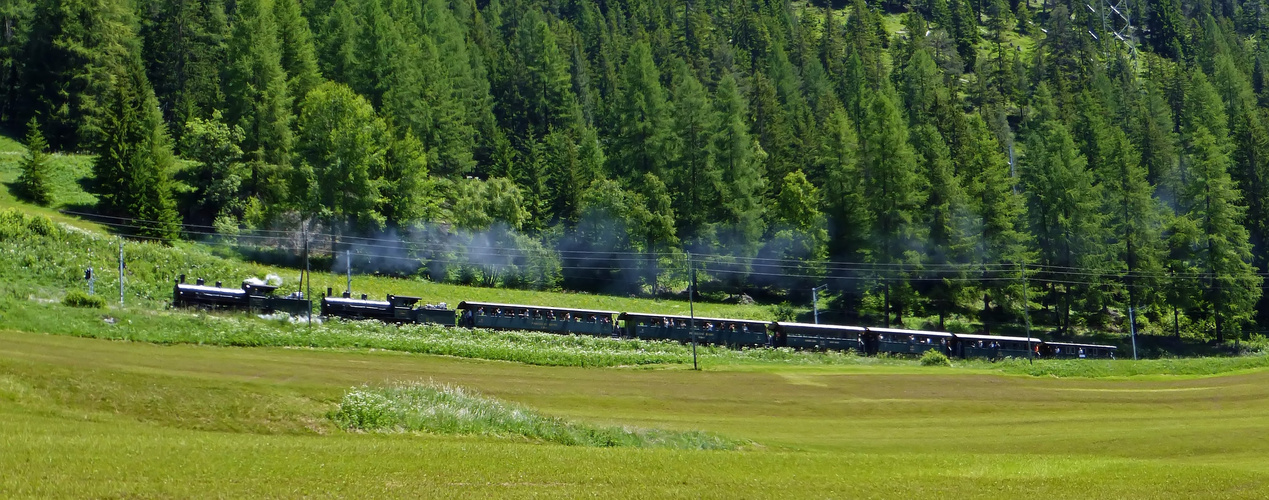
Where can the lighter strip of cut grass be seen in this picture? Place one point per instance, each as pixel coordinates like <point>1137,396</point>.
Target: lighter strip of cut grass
<point>447,409</point>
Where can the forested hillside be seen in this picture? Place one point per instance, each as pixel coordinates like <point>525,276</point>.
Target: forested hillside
<point>936,158</point>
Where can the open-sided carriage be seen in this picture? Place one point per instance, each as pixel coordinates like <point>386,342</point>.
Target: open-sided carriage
<point>537,318</point>
<point>995,346</point>
<point>721,331</point>
<point>1064,350</point>
<point>900,341</point>
<point>820,337</point>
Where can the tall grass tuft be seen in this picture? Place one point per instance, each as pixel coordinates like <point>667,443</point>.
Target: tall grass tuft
<point>446,409</point>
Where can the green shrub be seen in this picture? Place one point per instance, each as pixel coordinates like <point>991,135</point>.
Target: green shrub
<point>933,357</point>
<point>76,298</point>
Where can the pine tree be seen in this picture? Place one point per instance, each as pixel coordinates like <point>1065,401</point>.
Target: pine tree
<point>1167,28</point>
<point>544,83</point>
<point>1063,202</point>
<point>693,176</point>
<point>33,183</point>
<point>74,48</point>
<point>945,221</point>
<point>739,161</point>
<point>405,180</point>
<point>997,208</point>
<point>132,169</point>
<point>1222,247</point>
<point>17,15</point>
<point>893,191</point>
<point>642,140</point>
<point>1134,219</point>
<point>184,49</point>
<point>298,58</point>
<point>258,101</point>
<point>849,219</point>
<point>964,30</point>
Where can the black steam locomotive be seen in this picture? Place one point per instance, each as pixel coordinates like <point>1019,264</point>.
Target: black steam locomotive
<point>396,309</point>
<point>255,297</point>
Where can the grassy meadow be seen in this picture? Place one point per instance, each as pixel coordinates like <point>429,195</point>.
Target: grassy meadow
<point>146,402</point>
<point>93,418</point>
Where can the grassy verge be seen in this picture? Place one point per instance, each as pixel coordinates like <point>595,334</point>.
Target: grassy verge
<point>446,409</point>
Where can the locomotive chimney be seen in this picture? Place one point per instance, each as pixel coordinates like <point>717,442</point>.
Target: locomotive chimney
<point>328,294</point>
<point>182,278</point>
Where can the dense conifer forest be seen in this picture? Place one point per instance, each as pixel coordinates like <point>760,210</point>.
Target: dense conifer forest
<point>942,159</point>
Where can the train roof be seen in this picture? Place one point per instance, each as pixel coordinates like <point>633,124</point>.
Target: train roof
<point>342,300</point>
<point>210,289</point>
<point>967,336</point>
<point>466,304</point>
<point>698,318</point>
<point>1071,344</point>
<point>900,331</point>
<point>818,326</point>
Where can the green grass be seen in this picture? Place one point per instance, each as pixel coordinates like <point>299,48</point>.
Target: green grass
<point>88,418</point>
<point>446,409</point>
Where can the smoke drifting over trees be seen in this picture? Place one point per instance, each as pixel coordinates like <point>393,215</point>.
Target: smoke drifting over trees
<point>916,156</point>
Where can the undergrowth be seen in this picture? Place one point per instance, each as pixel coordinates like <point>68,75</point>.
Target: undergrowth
<point>444,409</point>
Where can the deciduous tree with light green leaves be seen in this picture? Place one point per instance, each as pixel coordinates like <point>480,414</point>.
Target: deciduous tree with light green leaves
<point>343,148</point>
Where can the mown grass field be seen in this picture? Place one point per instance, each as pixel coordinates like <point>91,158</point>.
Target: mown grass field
<point>93,418</point>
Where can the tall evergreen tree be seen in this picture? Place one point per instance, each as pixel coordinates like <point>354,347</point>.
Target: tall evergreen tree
<point>184,49</point>
<point>641,140</point>
<point>739,161</point>
<point>134,160</point>
<point>894,192</point>
<point>946,221</point>
<point>298,54</point>
<point>33,183</point>
<point>258,101</point>
<point>693,178</point>
<point>74,48</point>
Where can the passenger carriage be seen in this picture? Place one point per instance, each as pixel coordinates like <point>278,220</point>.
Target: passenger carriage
<point>995,346</point>
<point>721,331</point>
<point>537,318</point>
<point>1064,350</point>
<point>896,340</point>
<point>819,337</point>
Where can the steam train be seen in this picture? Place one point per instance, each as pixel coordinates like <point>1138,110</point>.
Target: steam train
<point>737,333</point>
<point>251,296</point>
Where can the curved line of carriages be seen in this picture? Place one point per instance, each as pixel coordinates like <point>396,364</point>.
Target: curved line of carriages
<point>736,333</point>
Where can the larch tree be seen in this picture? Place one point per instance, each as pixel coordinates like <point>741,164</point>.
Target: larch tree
<point>894,191</point>
<point>134,161</point>
<point>258,100</point>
